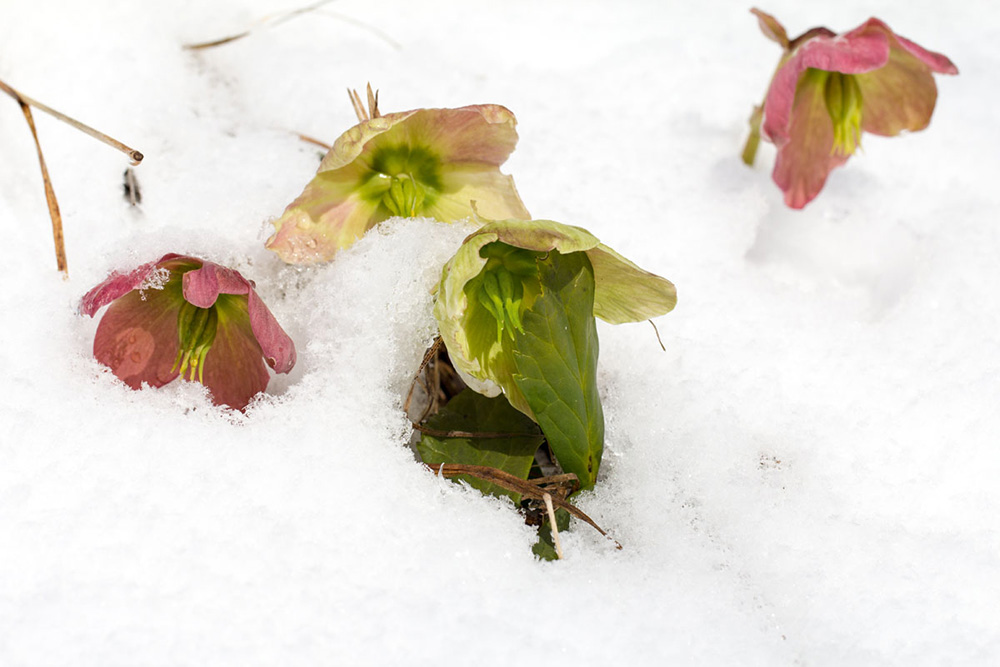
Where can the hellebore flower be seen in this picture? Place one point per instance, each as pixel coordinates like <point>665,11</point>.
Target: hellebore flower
<point>424,162</point>
<point>492,280</point>
<point>830,88</point>
<point>182,315</point>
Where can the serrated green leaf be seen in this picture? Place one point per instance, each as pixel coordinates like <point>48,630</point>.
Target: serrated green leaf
<point>471,412</point>
<point>556,361</point>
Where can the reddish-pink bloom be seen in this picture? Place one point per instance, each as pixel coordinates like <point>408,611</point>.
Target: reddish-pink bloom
<point>182,315</point>
<point>830,88</point>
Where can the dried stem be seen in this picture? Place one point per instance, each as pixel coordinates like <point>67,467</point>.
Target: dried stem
<point>552,524</point>
<point>311,140</point>
<point>50,196</point>
<point>515,484</point>
<point>428,355</point>
<point>133,155</point>
<point>268,21</point>
<point>471,434</point>
<point>26,103</point>
<point>359,108</point>
<point>657,331</point>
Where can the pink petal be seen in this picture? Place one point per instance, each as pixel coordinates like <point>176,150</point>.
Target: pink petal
<point>850,55</point>
<point>328,216</point>
<point>137,337</point>
<point>482,133</point>
<point>234,370</point>
<point>771,28</point>
<point>277,347</point>
<point>937,62</point>
<point>806,157</point>
<point>115,285</point>
<point>204,285</point>
<point>901,95</point>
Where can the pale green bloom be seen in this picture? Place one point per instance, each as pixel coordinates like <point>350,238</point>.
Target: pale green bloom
<point>427,162</point>
<point>492,280</point>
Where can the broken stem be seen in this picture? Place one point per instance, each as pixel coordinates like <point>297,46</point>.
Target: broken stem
<point>552,524</point>
<point>50,195</point>
<point>133,155</point>
<point>515,484</point>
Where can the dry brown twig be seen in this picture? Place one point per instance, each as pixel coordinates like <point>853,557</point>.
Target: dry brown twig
<point>554,525</point>
<point>359,108</point>
<point>278,19</point>
<point>513,483</point>
<point>267,21</point>
<point>26,103</point>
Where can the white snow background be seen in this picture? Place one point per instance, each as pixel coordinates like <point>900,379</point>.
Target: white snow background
<point>809,475</point>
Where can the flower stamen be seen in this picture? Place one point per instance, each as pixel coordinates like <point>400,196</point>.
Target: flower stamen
<point>196,329</point>
<point>843,101</point>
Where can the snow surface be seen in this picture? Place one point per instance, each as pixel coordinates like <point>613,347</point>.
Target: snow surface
<point>807,476</point>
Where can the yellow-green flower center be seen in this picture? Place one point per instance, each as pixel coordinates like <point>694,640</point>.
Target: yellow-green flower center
<point>196,328</point>
<point>500,286</point>
<point>843,100</point>
<point>404,178</point>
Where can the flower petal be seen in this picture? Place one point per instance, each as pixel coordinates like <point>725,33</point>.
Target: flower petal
<point>771,28</point>
<point>328,216</point>
<point>203,286</point>
<point>234,369</point>
<point>806,157</point>
<point>351,144</point>
<point>483,133</point>
<point>276,345</point>
<point>463,147</point>
<point>624,292</point>
<point>137,337</point>
<point>493,193</point>
<point>117,284</point>
<point>540,235</point>
<point>849,54</point>
<point>937,62</point>
<point>901,95</point>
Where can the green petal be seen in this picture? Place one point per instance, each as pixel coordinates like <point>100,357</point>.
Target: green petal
<point>626,293</point>
<point>897,97</point>
<point>351,144</point>
<point>462,184</point>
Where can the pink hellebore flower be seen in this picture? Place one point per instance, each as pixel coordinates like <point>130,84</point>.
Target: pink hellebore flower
<point>425,162</point>
<point>830,88</point>
<point>185,315</point>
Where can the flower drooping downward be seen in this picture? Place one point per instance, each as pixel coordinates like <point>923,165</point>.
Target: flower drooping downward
<point>830,88</point>
<point>493,279</point>
<point>425,162</point>
<point>183,316</point>
<point>516,308</point>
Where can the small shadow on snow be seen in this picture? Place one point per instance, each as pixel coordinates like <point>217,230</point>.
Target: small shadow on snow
<point>838,243</point>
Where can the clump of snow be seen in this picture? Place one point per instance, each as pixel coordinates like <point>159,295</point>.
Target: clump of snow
<point>806,476</point>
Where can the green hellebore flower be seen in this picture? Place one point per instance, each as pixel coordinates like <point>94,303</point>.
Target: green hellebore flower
<point>493,279</point>
<point>425,162</point>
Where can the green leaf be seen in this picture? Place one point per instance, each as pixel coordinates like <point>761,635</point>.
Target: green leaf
<point>471,412</point>
<point>556,361</point>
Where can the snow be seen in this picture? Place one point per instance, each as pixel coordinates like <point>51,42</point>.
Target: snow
<point>807,476</point>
